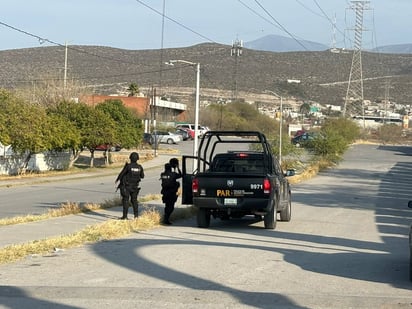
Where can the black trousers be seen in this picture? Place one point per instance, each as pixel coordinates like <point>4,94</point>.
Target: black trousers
<point>169,207</point>
<point>130,195</point>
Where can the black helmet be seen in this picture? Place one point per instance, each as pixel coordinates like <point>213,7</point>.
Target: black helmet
<point>134,156</point>
<point>168,167</point>
<point>174,162</point>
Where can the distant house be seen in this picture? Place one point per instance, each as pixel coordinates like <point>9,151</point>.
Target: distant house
<point>143,106</point>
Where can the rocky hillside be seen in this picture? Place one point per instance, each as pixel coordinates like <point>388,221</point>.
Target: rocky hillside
<point>104,70</point>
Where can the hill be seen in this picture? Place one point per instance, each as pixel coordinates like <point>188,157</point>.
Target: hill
<point>278,43</point>
<point>395,49</point>
<point>105,70</point>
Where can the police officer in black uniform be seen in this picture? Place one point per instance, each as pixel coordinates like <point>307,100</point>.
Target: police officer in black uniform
<point>129,179</point>
<point>170,186</point>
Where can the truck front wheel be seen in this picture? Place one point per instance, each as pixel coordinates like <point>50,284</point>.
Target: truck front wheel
<point>203,217</point>
<point>270,218</point>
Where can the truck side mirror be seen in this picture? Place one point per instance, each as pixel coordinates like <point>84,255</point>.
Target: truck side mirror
<point>290,172</point>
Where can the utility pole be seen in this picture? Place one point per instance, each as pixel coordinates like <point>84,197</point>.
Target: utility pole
<point>387,99</point>
<point>236,51</point>
<point>154,104</point>
<point>354,101</point>
<point>65,68</point>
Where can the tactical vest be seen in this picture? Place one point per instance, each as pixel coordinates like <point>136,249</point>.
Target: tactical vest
<point>168,181</point>
<point>133,174</point>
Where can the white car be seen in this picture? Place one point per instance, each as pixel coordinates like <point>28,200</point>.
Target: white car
<point>167,137</point>
<point>203,130</point>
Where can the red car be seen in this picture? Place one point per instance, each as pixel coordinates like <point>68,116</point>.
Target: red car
<point>107,147</point>
<point>189,131</point>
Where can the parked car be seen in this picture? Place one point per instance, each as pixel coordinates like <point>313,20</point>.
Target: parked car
<point>167,137</point>
<point>191,127</point>
<point>108,147</point>
<point>148,138</point>
<point>185,135</point>
<point>303,139</point>
<point>204,129</point>
<point>410,246</point>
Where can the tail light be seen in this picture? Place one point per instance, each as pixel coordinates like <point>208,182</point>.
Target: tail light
<point>266,186</point>
<point>195,185</point>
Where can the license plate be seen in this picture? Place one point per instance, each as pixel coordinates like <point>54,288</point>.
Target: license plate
<point>230,201</point>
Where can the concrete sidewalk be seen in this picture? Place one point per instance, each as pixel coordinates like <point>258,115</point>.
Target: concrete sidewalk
<point>28,232</point>
<point>54,227</point>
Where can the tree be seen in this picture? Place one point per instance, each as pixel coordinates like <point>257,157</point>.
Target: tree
<point>94,125</point>
<point>48,91</point>
<point>128,127</point>
<point>347,128</point>
<point>24,127</point>
<point>64,135</point>
<point>335,137</point>
<point>304,109</point>
<point>7,109</point>
<point>133,90</point>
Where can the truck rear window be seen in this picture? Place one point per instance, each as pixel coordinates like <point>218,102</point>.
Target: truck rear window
<point>238,164</point>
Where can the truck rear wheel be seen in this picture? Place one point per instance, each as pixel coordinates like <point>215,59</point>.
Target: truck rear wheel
<point>270,218</point>
<point>203,217</point>
<point>286,214</point>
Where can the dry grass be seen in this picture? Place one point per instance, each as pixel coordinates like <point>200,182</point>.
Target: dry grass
<point>310,171</point>
<point>104,231</point>
<point>70,209</point>
<point>63,210</point>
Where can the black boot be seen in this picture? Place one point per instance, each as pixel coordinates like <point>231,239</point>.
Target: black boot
<point>124,217</point>
<point>136,211</point>
<point>166,220</point>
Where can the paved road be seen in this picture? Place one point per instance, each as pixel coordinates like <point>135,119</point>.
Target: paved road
<point>346,247</point>
<point>39,196</point>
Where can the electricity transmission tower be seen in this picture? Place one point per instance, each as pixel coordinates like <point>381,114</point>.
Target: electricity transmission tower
<point>236,51</point>
<point>354,94</point>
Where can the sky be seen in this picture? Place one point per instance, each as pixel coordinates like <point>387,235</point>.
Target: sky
<point>140,24</point>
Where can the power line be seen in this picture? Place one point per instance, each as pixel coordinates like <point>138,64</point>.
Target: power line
<point>43,40</point>
<point>258,14</point>
<point>281,26</point>
<point>176,22</point>
<point>309,9</point>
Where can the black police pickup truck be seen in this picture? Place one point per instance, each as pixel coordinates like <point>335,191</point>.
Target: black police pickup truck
<point>233,175</point>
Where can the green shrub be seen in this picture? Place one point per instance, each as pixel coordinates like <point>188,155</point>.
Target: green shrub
<point>335,137</point>
<point>390,133</point>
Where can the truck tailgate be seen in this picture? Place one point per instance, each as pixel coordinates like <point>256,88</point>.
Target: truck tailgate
<point>222,185</point>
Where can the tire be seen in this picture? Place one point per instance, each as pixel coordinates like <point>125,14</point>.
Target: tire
<point>410,264</point>
<point>203,218</point>
<point>286,214</point>
<point>170,141</point>
<point>270,218</point>
<point>225,217</point>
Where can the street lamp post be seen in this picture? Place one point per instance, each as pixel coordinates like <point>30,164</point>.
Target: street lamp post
<point>280,123</point>
<point>196,137</point>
